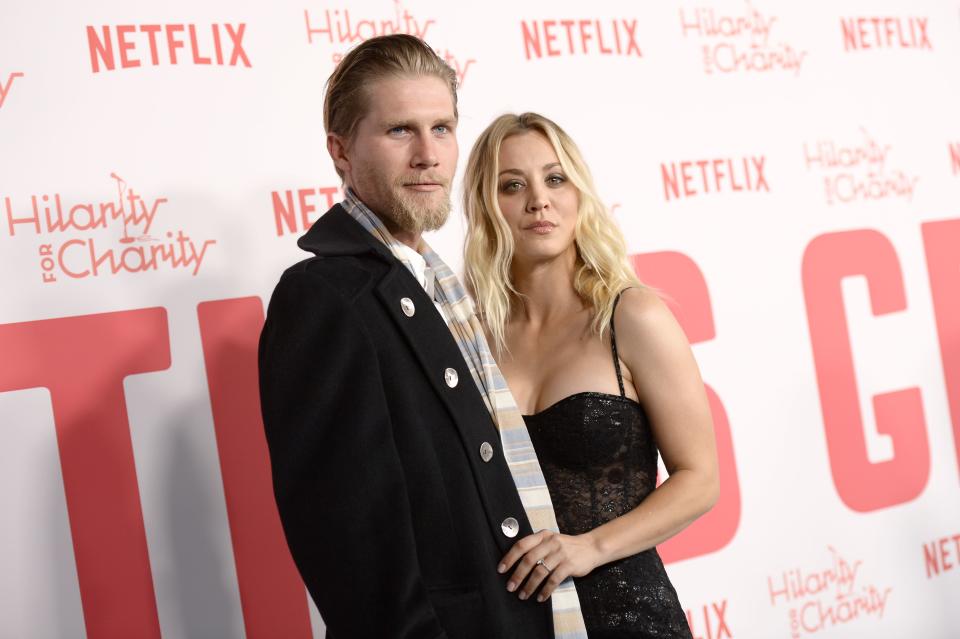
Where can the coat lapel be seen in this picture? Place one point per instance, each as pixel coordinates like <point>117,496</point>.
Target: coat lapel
<point>430,340</point>
<point>435,349</point>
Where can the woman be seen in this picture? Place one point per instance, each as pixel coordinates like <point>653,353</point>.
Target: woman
<point>601,370</point>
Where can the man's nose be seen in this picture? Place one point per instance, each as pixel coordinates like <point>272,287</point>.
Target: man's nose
<point>424,152</point>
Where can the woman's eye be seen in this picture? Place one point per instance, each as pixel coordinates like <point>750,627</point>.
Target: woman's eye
<point>556,180</point>
<point>511,187</point>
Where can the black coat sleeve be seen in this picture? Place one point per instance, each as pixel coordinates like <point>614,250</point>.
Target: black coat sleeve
<point>337,476</point>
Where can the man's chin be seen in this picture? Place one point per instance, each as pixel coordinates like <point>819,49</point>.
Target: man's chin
<point>435,224</point>
<point>415,215</point>
<point>431,220</point>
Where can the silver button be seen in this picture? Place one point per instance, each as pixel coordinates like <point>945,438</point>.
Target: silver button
<point>450,376</point>
<point>486,451</point>
<point>510,527</point>
<point>406,305</point>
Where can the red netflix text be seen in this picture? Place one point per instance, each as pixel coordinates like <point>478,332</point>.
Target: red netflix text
<point>709,621</point>
<point>860,34</point>
<point>689,178</point>
<point>6,85</point>
<point>858,171</point>
<point>739,42</point>
<point>941,555</point>
<point>294,211</point>
<point>341,28</point>
<point>131,46</point>
<point>553,38</point>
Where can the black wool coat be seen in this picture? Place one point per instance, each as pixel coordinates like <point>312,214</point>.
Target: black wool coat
<point>392,516</point>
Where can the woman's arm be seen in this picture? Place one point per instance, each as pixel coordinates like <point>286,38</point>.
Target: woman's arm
<point>667,381</point>
<point>668,384</point>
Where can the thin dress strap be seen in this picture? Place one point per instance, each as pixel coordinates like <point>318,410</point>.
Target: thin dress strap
<point>613,345</point>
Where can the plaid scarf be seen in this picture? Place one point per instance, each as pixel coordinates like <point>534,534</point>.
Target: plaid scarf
<point>514,438</point>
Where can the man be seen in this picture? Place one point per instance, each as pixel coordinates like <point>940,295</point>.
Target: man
<point>396,497</point>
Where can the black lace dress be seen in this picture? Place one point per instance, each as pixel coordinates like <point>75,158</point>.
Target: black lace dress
<point>599,459</point>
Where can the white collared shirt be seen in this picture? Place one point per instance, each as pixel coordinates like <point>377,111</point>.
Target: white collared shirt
<point>419,271</point>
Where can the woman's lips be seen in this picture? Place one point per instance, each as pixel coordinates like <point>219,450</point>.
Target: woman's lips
<point>541,228</point>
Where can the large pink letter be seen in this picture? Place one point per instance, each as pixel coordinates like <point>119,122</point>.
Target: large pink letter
<point>862,485</point>
<point>942,242</point>
<point>686,293</point>
<point>272,595</point>
<point>83,361</point>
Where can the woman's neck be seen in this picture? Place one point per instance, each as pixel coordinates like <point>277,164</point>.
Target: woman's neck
<point>546,291</point>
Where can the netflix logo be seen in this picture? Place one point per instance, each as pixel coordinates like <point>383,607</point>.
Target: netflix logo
<point>340,27</point>
<point>690,178</point>
<point>709,621</point>
<point>860,34</point>
<point>955,157</point>
<point>294,211</point>
<point>941,555</point>
<point>129,46</point>
<point>825,597</point>
<point>739,42</point>
<point>554,38</point>
<point>93,255</point>
<point>857,171</point>
<point>6,84</point>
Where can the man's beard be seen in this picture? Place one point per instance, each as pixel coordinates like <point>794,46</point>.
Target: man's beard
<point>399,208</point>
<point>409,213</point>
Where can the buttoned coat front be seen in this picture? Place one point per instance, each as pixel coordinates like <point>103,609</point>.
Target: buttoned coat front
<point>393,516</point>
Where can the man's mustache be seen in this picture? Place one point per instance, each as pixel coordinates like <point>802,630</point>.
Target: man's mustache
<point>424,179</point>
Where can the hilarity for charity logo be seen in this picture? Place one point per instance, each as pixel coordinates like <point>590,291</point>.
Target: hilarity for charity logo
<point>739,42</point>
<point>825,597</point>
<point>858,171</point>
<point>81,246</point>
<point>344,29</point>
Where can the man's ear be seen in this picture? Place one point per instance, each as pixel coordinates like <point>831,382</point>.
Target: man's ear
<point>338,148</point>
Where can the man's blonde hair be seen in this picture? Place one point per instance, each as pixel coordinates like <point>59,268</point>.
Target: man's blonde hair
<point>397,55</point>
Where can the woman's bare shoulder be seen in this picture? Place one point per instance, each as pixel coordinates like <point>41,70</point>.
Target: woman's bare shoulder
<point>645,325</point>
<point>641,309</point>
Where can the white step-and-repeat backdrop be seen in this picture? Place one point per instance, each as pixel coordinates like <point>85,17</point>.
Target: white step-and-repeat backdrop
<point>788,172</point>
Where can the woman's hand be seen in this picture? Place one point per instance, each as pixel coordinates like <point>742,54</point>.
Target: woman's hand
<point>548,558</point>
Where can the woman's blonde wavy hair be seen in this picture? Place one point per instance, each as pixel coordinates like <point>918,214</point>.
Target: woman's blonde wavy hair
<point>602,269</point>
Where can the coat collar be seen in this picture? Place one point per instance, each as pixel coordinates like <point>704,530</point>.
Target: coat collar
<point>336,233</point>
